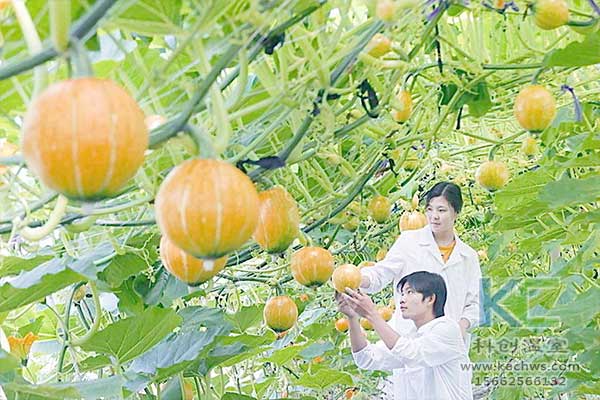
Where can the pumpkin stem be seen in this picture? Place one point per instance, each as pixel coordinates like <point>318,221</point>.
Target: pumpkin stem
<point>34,44</point>
<point>60,22</point>
<point>204,144</point>
<point>79,59</point>
<point>75,341</point>
<point>35,234</point>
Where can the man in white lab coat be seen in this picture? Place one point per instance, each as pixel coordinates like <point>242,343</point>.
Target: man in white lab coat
<point>431,361</point>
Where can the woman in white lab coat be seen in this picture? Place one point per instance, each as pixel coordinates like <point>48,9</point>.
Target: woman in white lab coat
<point>435,248</point>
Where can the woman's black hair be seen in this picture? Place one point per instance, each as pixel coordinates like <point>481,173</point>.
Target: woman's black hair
<point>449,191</point>
<point>428,283</point>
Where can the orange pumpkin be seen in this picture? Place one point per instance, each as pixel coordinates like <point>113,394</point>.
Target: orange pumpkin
<point>379,208</point>
<point>84,137</point>
<point>342,325</point>
<point>492,175</point>
<point>4,3</point>
<point>411,220</point>
<point>379,45</point>
<point>7,149</point>
<point>529,146</point>
<point>386,312</point>
<point>186,267</point>
<point>385,10</point>
<point>312,266</point>
<point>280,313</point>
<point>366,324</point>
<point>278,220</point>
<point>207,208</point>
<point>535,108</point>
<point>346,276</point>
<point>550,14</point>
<point>402,107</point>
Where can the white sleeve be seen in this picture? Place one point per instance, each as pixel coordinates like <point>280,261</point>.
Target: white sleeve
<point>387,269</point>
<point>377,357</point>
<point>472,309</point>
<point>439,346</point>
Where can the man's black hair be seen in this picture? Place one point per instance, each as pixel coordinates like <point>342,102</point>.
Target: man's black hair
<point>428,283</point>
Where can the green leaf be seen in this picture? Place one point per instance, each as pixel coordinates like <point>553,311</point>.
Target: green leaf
<point>586,305</point>
<point>236,396</point>
<point>7,361</point>
<point>122,267</point>
<point>480,103</point>
<point>99,388</point>
<point>315,349</point>
<point>36,284</point>
<point>284,355</point>
<point>569,191</point>
<point>130,337</point>
<point>177,352</point>
<point>576,54</point>
<point>324,378</point>
<point>150,17</point>
<point>246,317</point>
<point>11,265</point>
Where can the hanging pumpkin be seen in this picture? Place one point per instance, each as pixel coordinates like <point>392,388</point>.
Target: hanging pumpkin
<point>379,45</point>
<point>550,14</point>
<point>492,175</point>
<point>207,208</point>
<point>535,108</point>
<point>278,220</point>
<point>84,138</point>
<point>312,266</point>
<point>280,313</point>
<point>411,220</point>
<point>342,324</point>
<point>186,267</point>
<point>379,208</point>
<point>346,276</point>
<point>402,107</point>
<point>529,146</point>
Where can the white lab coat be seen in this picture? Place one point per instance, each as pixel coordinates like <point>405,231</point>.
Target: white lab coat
<point>430,363</point>
<point>416,250</point>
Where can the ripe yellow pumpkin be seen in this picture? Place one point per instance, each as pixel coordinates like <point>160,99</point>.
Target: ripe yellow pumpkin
<point>529,146</point>
<point>535,108</point>
<point>366,324</point>
<point>84,138</point>
<point>402,107</point>
<point>386,312</point>
<point>280,313</point>
<point>312,266</point>
<point>379,208</point>
<point>207,208</point>
<point>346,276</point>
<point>492,175</point>
<point>550,14</point>
<point>186,267</point>
<point>379,45</point>
<point>342,325</point>
<point>7,149</point>
<point>411,220</point>
<point>385,10</point>
<point>278,220</point>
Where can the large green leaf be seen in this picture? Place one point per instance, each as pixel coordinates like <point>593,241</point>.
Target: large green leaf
<point>324,378</point>
<point>14,265</point>
<point>246,317</point>
<point>150,17</point>
<point>122,267</point>
<point>130,337</point>
<point>576,54</point>
<point>178,351</point>
<point>94,389</point>
<point>569,191</point>
<point>36,284</point>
